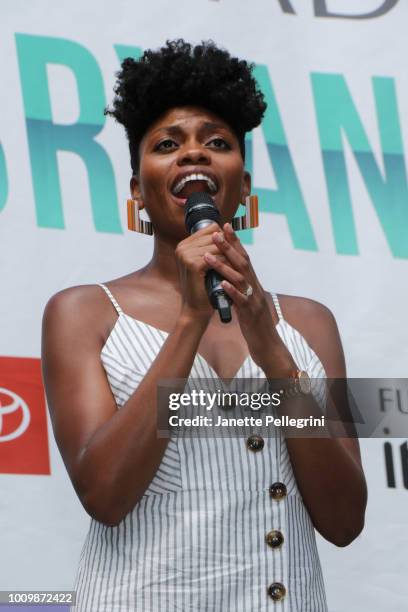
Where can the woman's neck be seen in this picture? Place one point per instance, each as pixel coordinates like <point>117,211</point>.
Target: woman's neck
<point>163,264</point>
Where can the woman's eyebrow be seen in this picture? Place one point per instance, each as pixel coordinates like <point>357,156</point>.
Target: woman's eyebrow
<point>211,126</point>
<point>206,126</point>
<point>170,129</point>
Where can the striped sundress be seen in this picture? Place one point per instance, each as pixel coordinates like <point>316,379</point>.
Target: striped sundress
<point>220,528</point>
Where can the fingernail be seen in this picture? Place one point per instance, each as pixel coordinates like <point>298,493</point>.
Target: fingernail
<point>210,257</point>
<point>219,237</point>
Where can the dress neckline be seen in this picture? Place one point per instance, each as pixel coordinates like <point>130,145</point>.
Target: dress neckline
<point>198,355</point>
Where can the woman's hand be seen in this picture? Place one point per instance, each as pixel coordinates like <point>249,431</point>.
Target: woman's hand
<point>192,269</point>
<point>254,315</point>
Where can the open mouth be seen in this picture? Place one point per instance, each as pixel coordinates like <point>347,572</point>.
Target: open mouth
<point>193,183</point>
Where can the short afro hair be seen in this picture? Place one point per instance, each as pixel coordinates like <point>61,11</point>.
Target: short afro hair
<point>179,74</point>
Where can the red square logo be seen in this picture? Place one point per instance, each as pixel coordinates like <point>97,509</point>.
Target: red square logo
<point>23,419</point>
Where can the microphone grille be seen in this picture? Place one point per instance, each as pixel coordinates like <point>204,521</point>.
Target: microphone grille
<point>200,206</point>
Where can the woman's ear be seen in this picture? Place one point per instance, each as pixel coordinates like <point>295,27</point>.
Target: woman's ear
<point>135,191</point>
<point>246,186</point>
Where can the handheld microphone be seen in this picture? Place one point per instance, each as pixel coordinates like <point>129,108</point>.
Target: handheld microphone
<point>200,210</point>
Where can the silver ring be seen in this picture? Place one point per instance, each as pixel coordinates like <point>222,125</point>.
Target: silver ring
<point>248,291</point>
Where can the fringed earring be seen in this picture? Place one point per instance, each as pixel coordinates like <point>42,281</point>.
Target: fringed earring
<point>135,223</point>
<point>251,217</point>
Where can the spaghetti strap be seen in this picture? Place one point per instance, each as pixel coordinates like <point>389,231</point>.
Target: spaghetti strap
<point>277,306</point>
<point>112,299</point>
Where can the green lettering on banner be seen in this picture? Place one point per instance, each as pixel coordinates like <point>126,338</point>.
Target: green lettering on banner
<point>337,114</point>
<point>287,199</point>
<point>45,137</point>
<point>3,179</point>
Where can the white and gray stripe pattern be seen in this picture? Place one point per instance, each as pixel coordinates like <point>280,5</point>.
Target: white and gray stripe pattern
<point>196,540</point>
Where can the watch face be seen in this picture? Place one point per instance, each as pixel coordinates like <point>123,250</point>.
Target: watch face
<point>304,382</point>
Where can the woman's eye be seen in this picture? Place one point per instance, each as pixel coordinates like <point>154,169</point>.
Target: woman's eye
<point>219,143</point>
<point>165,145</point>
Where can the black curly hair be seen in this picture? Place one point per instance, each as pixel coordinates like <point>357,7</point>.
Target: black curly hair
<point>179,74</point>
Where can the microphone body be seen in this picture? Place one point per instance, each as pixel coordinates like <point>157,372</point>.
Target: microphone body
<point>200,211</point>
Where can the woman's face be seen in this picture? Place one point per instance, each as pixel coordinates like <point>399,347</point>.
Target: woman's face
<point>188,149</point>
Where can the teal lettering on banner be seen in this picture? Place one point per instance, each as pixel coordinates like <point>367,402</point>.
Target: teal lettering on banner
<point>123,51</point>
<point>287,199</point>
<point>337,114</point>
<point>3,180</point>
<point>45,137</point>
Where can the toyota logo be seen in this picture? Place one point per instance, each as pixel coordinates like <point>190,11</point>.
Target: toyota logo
<point>17,403</point>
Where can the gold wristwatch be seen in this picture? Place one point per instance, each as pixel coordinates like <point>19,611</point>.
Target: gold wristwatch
<point>301,385</point>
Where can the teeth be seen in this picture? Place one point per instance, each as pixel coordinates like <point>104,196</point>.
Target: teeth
<point>195,177</point>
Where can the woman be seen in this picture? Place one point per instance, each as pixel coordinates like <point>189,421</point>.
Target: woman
<point>222,524</point>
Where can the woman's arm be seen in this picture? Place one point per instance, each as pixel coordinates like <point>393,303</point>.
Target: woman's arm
<point>328,471</point>
<point>111,455</point>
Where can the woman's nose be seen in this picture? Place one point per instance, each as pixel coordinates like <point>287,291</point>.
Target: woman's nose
<point>193,154</point>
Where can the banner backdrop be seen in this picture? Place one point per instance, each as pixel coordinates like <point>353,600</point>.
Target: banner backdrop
<point>328,164</point>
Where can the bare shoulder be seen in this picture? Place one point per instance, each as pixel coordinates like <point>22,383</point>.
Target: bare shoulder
<point>317,324</point>
<point>80,295</point>
<point>304,311</point>
<point>83,308</point>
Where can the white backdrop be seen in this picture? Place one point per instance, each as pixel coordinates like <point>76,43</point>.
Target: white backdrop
<point>341,91</point>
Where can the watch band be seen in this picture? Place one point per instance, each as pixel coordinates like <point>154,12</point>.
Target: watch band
<point>301,385</point>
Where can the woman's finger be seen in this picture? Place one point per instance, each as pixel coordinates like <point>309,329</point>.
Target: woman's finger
<point>225,270</point>
<point>239,261</point>
<point>237,296</point>
<point>233,239</point>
